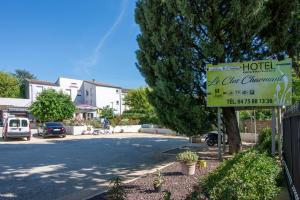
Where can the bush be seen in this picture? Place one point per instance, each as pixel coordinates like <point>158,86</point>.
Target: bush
<point>187,157</point>
<point>94,123</point>
<point>249,175</point>
<point>265,140</point>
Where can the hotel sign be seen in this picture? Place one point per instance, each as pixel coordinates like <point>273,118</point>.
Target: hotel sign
<point>255,83</point>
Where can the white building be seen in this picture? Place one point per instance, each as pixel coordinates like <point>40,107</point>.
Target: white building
<point>88,96</point>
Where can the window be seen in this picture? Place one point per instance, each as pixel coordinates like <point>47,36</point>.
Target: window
<point>117,102</point>
<point>91,92</point>
<point>14,123</point>
<point>24,123</point>
<point>78,92</point>
<point>86,93</point>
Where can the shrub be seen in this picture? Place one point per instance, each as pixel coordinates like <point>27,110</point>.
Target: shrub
<point>187,157</point>
<point>265,140</point>
<point>249,175</point>
<point>94,123</point>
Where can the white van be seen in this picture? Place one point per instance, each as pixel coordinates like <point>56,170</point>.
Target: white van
<point>16,128</point>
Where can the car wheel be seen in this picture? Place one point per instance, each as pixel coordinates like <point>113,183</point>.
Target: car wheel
<point>210,143</point>
<point>28,138</point>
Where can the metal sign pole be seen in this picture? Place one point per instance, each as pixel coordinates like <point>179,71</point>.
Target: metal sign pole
<point>219,135</point>
<point>279,118</point>
<point>273,130</point>
<point>255,134</point>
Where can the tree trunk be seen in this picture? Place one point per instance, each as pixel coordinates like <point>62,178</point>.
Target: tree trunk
<point>232,130</point>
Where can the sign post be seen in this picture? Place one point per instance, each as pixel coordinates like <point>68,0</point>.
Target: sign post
<point>273,131</point>
<point>219,135</point>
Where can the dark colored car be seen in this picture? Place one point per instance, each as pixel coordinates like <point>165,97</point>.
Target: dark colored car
<point>53,129</point>
<point>212,138</point>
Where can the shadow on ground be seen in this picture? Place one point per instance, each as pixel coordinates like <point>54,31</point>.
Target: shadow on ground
<point>75,169</point>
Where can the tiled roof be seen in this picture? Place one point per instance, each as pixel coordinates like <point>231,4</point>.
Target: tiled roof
<point>102,84</point>
<point>39,82</point>
<point>124,90</point>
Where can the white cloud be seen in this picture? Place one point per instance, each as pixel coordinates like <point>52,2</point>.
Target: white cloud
<point>85,66</point>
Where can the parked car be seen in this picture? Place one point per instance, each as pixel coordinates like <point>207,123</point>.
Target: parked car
<point>16,128</point>
<point>211,138</point>
<point>52,129</point>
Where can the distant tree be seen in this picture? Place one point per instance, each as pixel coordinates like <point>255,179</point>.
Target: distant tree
<point>139,106</point>
<point>106,112</point>
<point>52,106</point>
<point>9,85</point>
<point>22,75</point>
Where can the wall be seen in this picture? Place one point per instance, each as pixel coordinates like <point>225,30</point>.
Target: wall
<point>109,96</point>
<point>35,89</point>
<point>260,124</point>
<point>89,94</point>
<point>74,86</point>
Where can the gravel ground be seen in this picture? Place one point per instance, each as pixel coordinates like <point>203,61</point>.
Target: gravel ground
<point>178,184</point>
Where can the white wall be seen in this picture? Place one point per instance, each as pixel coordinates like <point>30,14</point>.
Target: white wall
<point>74,86</point>
<point>89,94</point>
<point>123,106</point>
<point>108,96</point>
<point>35,89</point>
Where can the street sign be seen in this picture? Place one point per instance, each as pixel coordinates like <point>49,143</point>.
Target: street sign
<point>256,83</point>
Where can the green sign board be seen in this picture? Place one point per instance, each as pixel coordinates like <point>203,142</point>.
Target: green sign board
<point>255,83</point>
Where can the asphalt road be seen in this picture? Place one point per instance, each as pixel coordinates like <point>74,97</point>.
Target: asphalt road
<point>77,167</point>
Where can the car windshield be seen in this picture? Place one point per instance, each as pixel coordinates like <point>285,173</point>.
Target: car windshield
<point>53,124</point>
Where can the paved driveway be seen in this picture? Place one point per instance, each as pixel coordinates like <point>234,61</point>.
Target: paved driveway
<point>78,166</point>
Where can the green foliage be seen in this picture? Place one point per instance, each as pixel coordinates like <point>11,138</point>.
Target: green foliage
<point>52,106</point>
<point>139,106</point>
<point>158,179</point>
<point>94,123</point>
<point>9,85</point>
<point>259,114</point>
<point>249,175</point>
<point>296,88</point>
<point>176,45</point>
<point>117,191</point>
<point>187,157</point>
<point>167,195</point>
<point>107,112</point>
<point>22,75</point>
<point>115,121</point>
<point>265,140</point>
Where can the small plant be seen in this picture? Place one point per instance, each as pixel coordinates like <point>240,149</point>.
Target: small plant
<point>117,191</point>
<point>158,181</point>
<point>167,195</point>
<point>187,157</point>
<point>202,164</point>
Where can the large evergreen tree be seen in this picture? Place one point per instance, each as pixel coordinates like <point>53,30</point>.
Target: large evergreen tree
<point>178,38</point>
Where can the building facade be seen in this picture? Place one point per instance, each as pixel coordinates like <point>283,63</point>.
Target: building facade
<point>88,96</point>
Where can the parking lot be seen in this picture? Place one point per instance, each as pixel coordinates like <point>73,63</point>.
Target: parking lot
<point>77,167</point>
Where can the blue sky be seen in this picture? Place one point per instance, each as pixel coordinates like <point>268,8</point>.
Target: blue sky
<point>83,39</point>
